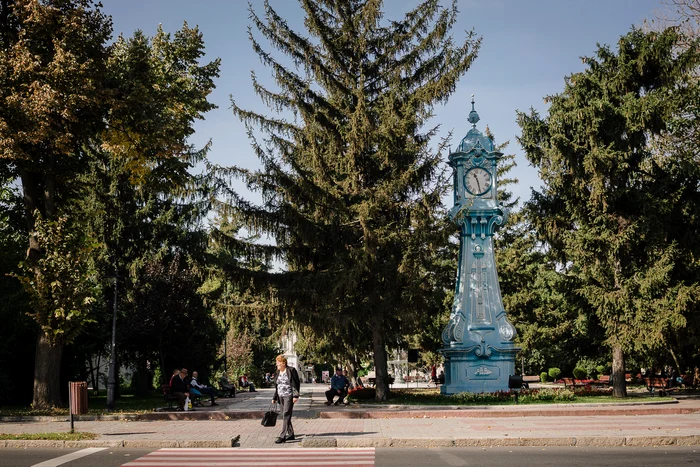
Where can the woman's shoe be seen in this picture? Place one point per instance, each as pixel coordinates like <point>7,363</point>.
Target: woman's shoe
<point>289,438</point>
<point>279,440</point>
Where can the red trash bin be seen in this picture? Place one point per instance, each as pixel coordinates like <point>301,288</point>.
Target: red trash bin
<point>78,397</point>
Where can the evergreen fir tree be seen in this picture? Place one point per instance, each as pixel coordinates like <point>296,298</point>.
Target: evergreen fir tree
<point>350,184</point>
<point>615,211</point>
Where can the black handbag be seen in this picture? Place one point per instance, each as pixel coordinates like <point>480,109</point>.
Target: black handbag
<point>270,417</point>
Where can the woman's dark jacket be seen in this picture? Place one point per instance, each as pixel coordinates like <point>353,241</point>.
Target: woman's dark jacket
<point>293,377</point>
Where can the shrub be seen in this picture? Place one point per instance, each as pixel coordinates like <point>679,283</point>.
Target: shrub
<point>554,373</point>
<point>580,373</point>
<point>470,397</point>
<point>547,394</point>
<point>589,365</point>
<point>544,377</point>
<point>600,369</point>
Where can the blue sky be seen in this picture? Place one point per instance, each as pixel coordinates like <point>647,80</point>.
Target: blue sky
<point>528,47</point>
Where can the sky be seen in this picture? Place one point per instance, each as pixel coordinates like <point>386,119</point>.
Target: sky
<point>528,48</point>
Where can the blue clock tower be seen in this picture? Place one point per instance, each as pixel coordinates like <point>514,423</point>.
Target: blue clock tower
<point>478,340</point>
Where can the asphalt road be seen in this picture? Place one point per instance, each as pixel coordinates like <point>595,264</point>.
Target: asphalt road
<point>674,456</point>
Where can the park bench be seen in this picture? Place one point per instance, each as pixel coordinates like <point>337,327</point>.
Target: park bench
<point>575,383</point>
<point>435,382</point>
<point>226,389</point>
<point>373,381</point>
<point>603,380</point>
<point>658,384</point>
<point>527,379</point>
<point>170,398</point>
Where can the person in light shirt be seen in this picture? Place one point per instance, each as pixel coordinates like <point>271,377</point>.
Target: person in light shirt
<point>203,388</point>
<point>287,385</point>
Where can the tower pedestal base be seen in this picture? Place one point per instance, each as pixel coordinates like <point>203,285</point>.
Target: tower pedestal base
<point>465,371</point>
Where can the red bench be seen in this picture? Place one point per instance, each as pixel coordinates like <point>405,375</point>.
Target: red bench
<point>658,384</point>
<point>575,383</point>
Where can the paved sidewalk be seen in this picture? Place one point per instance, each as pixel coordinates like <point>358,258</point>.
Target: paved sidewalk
<point>236,422</point>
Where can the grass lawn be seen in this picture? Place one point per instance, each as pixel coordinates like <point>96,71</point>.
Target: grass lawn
<point>97,405</point>
<point>529,396</point>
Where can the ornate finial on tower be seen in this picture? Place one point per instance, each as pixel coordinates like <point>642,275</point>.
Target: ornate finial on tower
<point>473,116</point>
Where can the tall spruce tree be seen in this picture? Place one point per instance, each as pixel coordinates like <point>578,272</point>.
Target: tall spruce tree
<point>615,210</point>
<point>350,184</point>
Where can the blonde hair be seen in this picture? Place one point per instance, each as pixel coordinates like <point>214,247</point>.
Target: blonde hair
<point>282,358</point>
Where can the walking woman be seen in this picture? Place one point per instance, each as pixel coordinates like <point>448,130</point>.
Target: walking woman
<point>286,381</point>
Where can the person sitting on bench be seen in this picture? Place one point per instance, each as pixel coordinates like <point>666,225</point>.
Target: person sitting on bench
<point>338,387</point>
<point>178,388</point>
<point>225,385</point>
<point>244,383</point>
<point>202,388</point>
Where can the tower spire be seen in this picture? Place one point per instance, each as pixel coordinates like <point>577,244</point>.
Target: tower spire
<point>473,115</point>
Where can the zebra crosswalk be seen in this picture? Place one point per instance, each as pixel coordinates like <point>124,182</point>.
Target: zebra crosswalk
<point>238,457</point>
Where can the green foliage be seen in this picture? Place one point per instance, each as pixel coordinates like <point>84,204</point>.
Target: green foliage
<point>170,325</point>
<point>547,394</point>
<point>54,94</point>
<point>351,189</point>
<point>609,210</point>
<point>554,373</point>
<point>590,365</point>
<point>146,205</point>
<point>62,285</point>
<point>553,328</point>
<point>18,330</point>
<point>580,373</point>
<point>480,397</point>
<point>544,377</point>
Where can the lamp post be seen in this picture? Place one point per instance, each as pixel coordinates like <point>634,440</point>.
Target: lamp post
<point>112,376</point>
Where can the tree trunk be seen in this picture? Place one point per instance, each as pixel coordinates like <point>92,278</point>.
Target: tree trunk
<point>353,368</point>
<point>32,196</point>
<point>675,360</point>
<point>380,368</point>
<point>47,373</point>
<point>143,379</point>
<point>618,372</point>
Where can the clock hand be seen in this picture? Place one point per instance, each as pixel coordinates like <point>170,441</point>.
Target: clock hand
<point>478,184</point>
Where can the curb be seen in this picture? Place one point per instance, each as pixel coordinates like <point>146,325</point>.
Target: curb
<point>97,443</point>
<point>349,442</point>
<point>343,442</point>
<point>573,412</point>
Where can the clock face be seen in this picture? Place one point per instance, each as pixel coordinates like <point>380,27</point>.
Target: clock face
<point>478,181</point>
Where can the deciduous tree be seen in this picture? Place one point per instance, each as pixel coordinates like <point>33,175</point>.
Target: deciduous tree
<point>52,77</point>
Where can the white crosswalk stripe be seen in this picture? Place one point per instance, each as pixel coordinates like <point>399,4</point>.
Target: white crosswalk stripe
<point>238,457</point>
